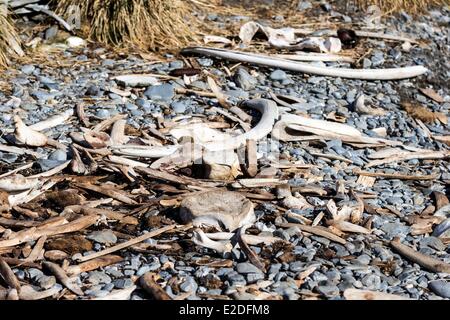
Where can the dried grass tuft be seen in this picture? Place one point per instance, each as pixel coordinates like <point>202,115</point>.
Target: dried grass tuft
<point>422,113</point>
<point>9,39</point>
<point>148,24</point>
<point>410,6</point>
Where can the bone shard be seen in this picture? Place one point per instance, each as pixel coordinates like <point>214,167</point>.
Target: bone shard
<point>200,239</point>
<point>28,136</point>
<point>289,201</point>
<point>17,182</point>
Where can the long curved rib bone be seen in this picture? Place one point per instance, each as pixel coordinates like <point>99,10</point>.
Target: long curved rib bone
<point>363,74</point>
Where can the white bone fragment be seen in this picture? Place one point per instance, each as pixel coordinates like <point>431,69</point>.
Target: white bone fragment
<point>201,239</point>
<point>118,132</point>
<point>27,136</point>
<point>17,182</point>
<point>53,121</point>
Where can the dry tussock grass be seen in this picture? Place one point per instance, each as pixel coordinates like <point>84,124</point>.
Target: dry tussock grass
<point>9,39</point>
<point>148,24</point>
<point>410,6</point>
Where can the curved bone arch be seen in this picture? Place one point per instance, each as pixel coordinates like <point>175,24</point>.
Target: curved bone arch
<point>269,114</point>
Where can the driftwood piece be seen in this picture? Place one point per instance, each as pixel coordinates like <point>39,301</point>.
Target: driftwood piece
<point>26,212</point>
<point>441,200</point>
<point>61,276</point>
<point>108,192</point>
<point>148,283</point>
<point>50,13</point>
<point>52,171</point>
<point>35,233</point>
<point>348,226</point>
<point>248,238</point>
<point>421,259</point>
<point>166,176</point>
<point>394,175</point>
<point>17,150</point>
<point>105,124</point>
<point>93,264</point>
<point>21,262</point>
<point>252,256</point>
<point>8,275</point>
<point>37,250</point>
<point>79,109</point>
<point>404,156</point>
<point>357,294</point>
<point>28,293</point>
<point>218,93</point>
<point>24,167</point>
<point>317,230</point>
<point>128,243</point>
<point>121,294</point>
<point>251,157</point>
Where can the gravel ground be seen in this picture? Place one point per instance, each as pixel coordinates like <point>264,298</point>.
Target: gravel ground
<point>36,91</point>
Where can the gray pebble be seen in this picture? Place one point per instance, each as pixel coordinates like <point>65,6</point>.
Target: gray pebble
<point>371,281</point>
<point>47,165</point>
<point>28,69</point>
<point>278,75</point>
<point>162,92</point>
<point>51,32</point>
<point>123,283</point>
<point>189,285</point>
<point>179,106</point>
<point>245,267</point>
<point>440,287</point>
<point>244,80</point>
<point>97,277</point>
<point>328,290</point>
<point>58,155</point>
<point>103,114</point>
<point>34,273</point>
<point>46,282</point>
<point>104,237</point>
